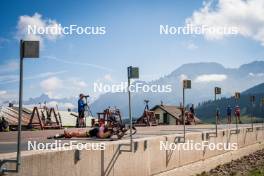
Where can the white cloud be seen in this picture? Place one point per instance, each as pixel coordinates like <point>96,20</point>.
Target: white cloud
<point>51,84</point>
<point>7,96</point>
<point>11,78</point>
<point>9,66</point>
<point>3,92</point>
<point>76,83</point>
<point>256,74</point>
<point>191,46</point>
<point>210,78</point>
<point>56,87</point>
<point>71,62</point>
<point>247,15</point>
<point>8,78</point>
<point>183,77</point>
<point>108,77</point>
<point>54,104</point>
<point>81,84</point>
<point>39,22</point>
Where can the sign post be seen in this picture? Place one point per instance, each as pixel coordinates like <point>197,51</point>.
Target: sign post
<point>262,110</point>
<point>237,97</point>
<point>252,100</point>
<point>28,49</point>
<point>217,92</point>
<point>187,84</point>
<point>132,73</point>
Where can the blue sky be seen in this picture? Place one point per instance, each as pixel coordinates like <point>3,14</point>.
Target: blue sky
<point>71,64</point>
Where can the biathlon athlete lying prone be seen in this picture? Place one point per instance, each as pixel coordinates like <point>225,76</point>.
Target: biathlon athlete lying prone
<point>100,131</point>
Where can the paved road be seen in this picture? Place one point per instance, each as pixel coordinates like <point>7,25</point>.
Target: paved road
<point>8,139</point>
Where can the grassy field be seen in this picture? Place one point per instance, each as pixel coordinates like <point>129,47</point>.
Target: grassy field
<point>257,172</point>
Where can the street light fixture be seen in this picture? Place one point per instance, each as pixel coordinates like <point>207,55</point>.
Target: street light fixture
<point>28,49</point>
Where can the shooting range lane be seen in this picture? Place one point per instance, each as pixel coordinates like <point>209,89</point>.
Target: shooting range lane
<point>8,140</point>
<point>147,157</point>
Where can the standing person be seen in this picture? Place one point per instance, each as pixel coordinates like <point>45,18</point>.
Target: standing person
<point>81,108</point>
<point>218,116</point>
<point>237,114</point>
<point>229,114</point>
<point>192,114</point>
<point>192,109</point>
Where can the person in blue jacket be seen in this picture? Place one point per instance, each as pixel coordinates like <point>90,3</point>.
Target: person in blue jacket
<point>81,109</point>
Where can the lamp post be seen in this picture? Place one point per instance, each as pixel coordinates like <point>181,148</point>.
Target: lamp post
<point>217,91</point>
<point>252,100</point>
<point>132,73</point>
<point>237,97</point>
<point>187,84</point>
<point>262,110</point>
<point>28,49</point>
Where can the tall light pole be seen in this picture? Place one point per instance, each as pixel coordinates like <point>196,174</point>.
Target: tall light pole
<point>252,100</point>
<point>217,91</point>
<point>237,97</point>
<point>262,110</point>
<point>132,73</point>
<point>28,49</point>
<point>187,84</point>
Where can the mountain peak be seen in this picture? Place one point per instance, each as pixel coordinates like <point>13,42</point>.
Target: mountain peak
<point>199,68</point>
<point>255,67</point>
<point>255,90</point>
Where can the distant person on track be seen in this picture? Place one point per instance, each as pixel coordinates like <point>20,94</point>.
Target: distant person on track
<point>229,114</point>
<point>81,109</point>
<point>237,114</point>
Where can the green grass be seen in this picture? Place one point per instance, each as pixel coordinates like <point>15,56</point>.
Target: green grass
<point>257,172</point>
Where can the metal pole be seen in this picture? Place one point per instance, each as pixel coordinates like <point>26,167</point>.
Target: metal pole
<point>252,110</point>
<point>183,110</point>
<point>236,117</point>
<point>262,127</point>
<point>130,116</point>
<point>216,118</point>
<point>20,106</point>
